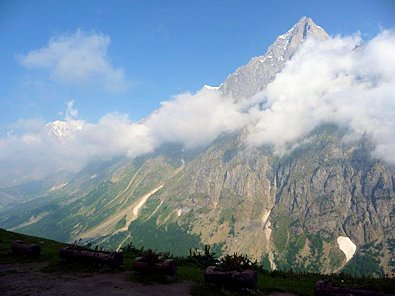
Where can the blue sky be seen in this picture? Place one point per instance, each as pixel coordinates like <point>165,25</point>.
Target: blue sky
<point>162,48</point>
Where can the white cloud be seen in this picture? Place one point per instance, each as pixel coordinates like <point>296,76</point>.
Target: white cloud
<point>79,59</point>
<point>332,82</point>
<point>71,112</point>
<point>114,134</point>
<point>328,82</point>
<point>69,145</point>
<point>195,120</point>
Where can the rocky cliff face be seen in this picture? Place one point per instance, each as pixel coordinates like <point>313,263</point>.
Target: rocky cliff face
<point>290,210</point>
<point>325,205</point>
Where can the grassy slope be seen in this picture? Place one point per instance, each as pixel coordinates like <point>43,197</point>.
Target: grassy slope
<point>49,248</point>
<point>298,283</point>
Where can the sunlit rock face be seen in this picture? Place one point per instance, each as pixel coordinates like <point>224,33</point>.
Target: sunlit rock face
<point>253,77</point>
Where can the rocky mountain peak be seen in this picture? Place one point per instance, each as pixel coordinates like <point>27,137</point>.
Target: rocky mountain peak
<point>253,77</point>
<point>303,29</point>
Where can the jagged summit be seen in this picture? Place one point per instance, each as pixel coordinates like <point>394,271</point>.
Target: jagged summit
<point>304,28</point>
<point>253,77</point>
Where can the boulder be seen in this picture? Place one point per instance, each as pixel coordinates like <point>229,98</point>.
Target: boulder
<point>166,267</point>
<point>235,280</point>
<point>112,259</point>
<point>20,247</point>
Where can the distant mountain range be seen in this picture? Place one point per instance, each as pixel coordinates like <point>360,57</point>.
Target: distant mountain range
<point>325,206</point>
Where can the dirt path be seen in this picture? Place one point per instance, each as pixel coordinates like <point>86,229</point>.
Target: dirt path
<point>27,279</point>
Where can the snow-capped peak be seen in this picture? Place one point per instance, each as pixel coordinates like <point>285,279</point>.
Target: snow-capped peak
<point>64,130</point>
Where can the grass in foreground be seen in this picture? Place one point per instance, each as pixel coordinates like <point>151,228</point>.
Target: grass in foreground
<point>49,248</point>
<point>189,270</point>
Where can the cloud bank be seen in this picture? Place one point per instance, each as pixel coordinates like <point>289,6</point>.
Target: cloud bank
<point>78,59</point>
<point>195,119</point>
<point>333,81</point>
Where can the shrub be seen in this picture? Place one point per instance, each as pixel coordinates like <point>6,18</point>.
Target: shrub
<point>238,263</point>
<point>203,260</point>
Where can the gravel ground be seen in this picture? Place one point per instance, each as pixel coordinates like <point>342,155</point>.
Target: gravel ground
<point>27,279</point>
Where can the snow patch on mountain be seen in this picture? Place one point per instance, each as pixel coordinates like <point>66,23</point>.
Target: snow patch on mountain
<point>211,87</point>
<point>346,246</point>
<point>64,130</point>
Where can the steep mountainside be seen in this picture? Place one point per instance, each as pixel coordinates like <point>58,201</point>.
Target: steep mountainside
<point>326,205</point>
<point>296,211</point>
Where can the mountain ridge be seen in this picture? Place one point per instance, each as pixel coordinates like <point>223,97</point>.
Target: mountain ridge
<point>253,77</point>
<point>325,205</point>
